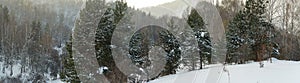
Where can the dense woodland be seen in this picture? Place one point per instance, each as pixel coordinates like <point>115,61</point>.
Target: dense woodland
<point>39,36</point>
<point>29,33</point>
<point>281,40</point>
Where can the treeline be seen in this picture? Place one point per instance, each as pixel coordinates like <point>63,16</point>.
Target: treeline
<point>107,17</point>
<point>30,30</point>
<point>245,25</point>
<point>252,33</point>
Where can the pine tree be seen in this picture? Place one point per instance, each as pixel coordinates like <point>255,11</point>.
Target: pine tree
<point>104,32</point>
<point>202,36</point>
<point>234,37</point>
<point>171,46</point>
<point>83,33</point>
<point>136,50</point>
<point>247,30</point>
<point>148,37</point>
<point>257,25</point>
<point>68,72</point>
<point>103,37</point>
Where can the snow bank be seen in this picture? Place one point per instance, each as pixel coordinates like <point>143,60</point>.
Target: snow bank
<point>55,81</point>
<point>279,71</point>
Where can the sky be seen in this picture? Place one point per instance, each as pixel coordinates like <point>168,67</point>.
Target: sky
<point>145,3</point>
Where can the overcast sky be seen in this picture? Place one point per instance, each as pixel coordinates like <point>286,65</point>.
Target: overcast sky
<point>146,3</point>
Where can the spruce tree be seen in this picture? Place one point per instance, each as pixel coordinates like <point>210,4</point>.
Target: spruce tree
<point>234,37</point>
<point>135,49</point>
<point>171,46</point>
<point>249,29</point>
<point>105,30</point>
<point>68,73</point>
<point>256,23</point>
<point>149,37</point>
<point>103,37</point>
<point>202,36</point>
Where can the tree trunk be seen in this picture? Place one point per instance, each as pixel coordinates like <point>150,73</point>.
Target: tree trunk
<point>260,51</point>
<point>270,53</point>
<point>201,60</point>
<point>11,69</point>
<point>193,63</point>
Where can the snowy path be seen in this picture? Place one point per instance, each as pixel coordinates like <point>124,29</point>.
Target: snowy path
<point>276,72</point>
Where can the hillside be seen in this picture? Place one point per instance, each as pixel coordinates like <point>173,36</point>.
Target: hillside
<point>280,71</point>
<point>175,8</point>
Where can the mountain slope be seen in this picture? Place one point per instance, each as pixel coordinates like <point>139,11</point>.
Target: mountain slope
<point>175,8</point>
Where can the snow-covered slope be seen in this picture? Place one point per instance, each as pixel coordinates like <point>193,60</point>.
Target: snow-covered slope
<point>277,72</point>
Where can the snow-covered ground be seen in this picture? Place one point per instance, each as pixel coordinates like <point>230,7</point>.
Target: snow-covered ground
<point>55,81</point>
<point>279,71</point>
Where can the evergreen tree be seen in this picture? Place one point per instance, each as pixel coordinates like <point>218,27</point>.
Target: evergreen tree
<point>83,42</point>
<point>249,30</point>
<point>171,46</point>
<point>103,37</point>
<point>202,36</point>
<point>148,37</point>
<point>68,72</point>
<point>136,50</point>
<point>236,36</point>
<point>258,27</point>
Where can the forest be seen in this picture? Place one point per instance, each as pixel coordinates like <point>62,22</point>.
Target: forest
<point>91,40</point>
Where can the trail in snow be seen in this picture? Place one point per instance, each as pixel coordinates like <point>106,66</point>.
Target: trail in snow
<point>279,71</point>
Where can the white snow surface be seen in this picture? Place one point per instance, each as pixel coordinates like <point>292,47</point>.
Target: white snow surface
<point>55,81</point>
<point>280,71</point>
